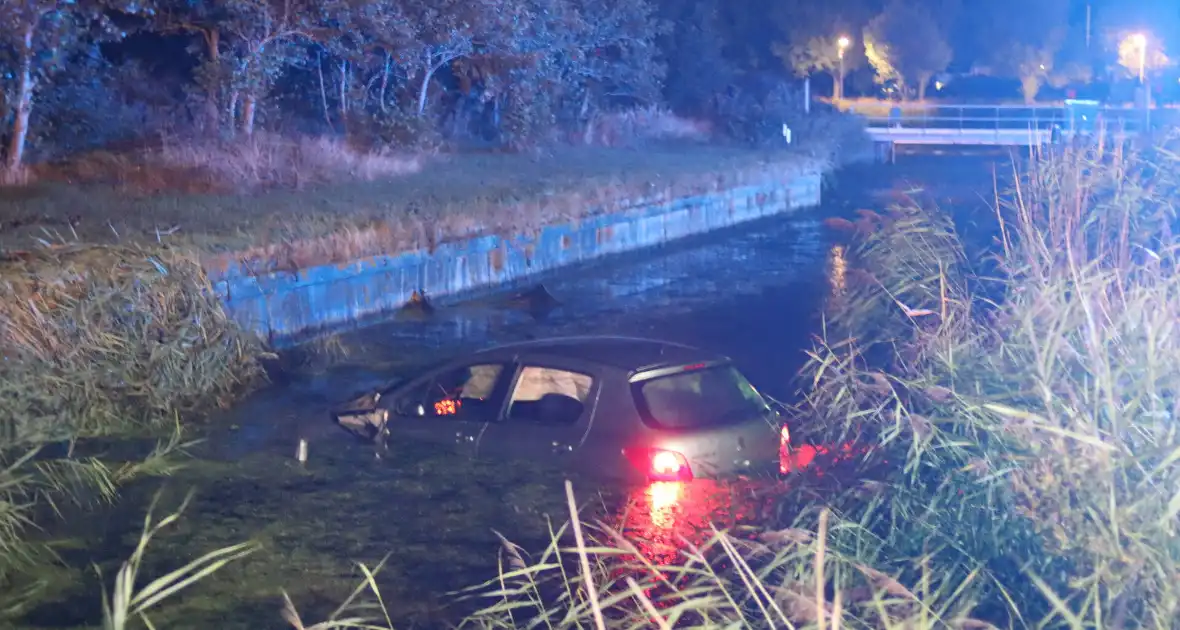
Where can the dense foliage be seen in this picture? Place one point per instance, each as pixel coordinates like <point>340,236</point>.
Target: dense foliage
<point>96,73</point>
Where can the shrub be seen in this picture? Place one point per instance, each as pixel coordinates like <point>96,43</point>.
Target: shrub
<point>756,117</point>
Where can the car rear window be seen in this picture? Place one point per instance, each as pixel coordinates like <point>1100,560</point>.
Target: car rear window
<point>697,398</point>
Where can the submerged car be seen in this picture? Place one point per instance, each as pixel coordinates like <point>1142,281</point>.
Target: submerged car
<point>617,407</point>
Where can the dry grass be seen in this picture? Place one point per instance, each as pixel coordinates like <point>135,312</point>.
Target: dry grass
<point>645,125</point>
<point>460,195</point>
<point>243,166</point>
<point>267,161</point>
<point>100,338</point>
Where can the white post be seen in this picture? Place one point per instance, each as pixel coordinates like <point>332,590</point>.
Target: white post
<point>807,95</point>
<point>1147,108</point>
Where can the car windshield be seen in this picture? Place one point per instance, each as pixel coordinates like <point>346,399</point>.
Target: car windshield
<point>699,398</point>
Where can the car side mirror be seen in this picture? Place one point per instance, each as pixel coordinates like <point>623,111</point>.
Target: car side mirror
<point>366,424</point>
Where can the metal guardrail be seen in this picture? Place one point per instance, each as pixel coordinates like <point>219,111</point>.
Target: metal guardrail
<point>962,137</point>
<point>999,117</point>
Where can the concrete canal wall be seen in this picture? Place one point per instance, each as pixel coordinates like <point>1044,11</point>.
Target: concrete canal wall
<point>286,305</point>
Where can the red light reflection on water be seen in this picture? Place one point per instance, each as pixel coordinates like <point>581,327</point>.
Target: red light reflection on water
<point>666,520</point>
<point>661,517</point>
<point>804,456</point>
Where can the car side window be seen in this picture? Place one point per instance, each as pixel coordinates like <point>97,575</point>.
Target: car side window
<point>464,393</point>
<point>549,395</point>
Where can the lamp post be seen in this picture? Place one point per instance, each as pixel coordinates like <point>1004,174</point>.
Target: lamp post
<point>841,45</point>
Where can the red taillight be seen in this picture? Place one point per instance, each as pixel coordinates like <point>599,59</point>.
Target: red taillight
<point>660,465</point>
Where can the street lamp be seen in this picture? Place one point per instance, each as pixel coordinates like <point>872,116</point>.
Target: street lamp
<point>841,45</point>
<point>1140,41</point>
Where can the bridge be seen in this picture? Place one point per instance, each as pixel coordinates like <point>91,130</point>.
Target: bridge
<point>894,124</point>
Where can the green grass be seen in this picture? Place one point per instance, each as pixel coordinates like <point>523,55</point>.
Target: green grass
<point>452,195</point>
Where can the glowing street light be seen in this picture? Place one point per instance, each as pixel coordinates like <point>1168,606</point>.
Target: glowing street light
<point>1140,41</point>
<point>842,45</point>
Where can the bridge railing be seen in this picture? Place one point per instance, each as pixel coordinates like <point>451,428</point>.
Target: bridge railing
<point>996,118</point>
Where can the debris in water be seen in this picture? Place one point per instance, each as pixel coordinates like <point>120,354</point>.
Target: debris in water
<point>537,301</point>
<point>418,305</point>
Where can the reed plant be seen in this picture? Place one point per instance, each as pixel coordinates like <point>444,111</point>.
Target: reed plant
<point>1038,423</point>
<point>98,339</point>
<point>37,485</point>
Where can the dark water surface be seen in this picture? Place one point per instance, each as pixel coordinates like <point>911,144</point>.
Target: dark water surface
<point>752,293</point>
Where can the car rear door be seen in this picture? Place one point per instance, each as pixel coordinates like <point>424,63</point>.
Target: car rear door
<point>451,405</point>
<point>548,410</point>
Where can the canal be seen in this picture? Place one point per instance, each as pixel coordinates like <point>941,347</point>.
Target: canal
<point>753,293</point>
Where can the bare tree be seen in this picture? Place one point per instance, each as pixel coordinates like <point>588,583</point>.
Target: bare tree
<point>37,38</point>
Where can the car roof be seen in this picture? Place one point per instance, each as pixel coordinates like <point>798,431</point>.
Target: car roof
<point>626,353</point>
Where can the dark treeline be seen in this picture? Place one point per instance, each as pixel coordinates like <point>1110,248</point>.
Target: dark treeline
<point>85,73</point>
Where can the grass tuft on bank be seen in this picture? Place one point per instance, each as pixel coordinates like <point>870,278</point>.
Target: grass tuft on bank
<point>101,339</point>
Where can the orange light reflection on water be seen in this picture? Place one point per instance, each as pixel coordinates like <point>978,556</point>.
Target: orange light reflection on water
<point>664,498</point>
<point>838,270</point>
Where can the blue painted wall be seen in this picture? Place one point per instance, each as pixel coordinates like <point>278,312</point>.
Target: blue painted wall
<point>283,305</point>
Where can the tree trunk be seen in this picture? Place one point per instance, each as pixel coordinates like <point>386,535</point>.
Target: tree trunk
<point>431,68</point>
<point>1029,87</point>
<point>24,106</point>
<point>232,111</point>
<point>248,106</point>
<point>385,80</point>
<point>319,66</point>
<point>212,104</point>
<point>344,96</point>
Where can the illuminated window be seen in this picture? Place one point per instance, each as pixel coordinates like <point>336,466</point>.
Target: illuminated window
<point>549,395</point>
